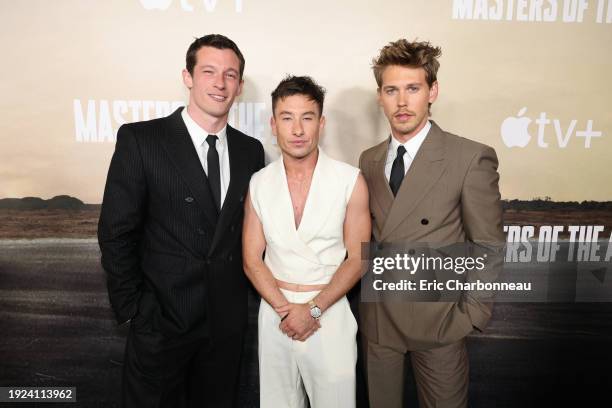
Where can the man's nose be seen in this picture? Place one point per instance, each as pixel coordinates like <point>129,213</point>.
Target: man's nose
<point>298,129</point>
<point>219,82</point>
<point>402,99</point>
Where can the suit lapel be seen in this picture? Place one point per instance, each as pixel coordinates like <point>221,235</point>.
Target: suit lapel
<point>380,190</point>
<point>239,179</point>
<point>426,169</point>
<point>183,155</point>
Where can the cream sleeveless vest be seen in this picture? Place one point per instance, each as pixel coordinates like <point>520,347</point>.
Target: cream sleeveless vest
<point>311,254</point>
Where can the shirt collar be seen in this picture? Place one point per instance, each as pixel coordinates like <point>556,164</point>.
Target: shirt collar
<point>198,134</point>
<point>412,145</point>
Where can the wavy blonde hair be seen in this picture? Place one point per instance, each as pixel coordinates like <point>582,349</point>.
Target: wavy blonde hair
<point>408,54</point>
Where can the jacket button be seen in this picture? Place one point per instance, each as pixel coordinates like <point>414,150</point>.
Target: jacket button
<point>241,198</point>
<point>379,246</point>
<point>200,231</point>
<point>424,221</point>
<point>411,251</point>
<point>230,258</point>
<point>189,199</point>
<point>232,228</point>
<point>207,261</point>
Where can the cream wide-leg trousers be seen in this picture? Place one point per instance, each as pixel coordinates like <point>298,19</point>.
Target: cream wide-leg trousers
<point>321,368</point>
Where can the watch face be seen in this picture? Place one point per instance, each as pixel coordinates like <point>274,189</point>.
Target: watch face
<point>315,312</point>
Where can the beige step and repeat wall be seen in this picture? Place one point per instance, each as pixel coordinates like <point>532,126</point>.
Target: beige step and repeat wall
<point>528,77</point>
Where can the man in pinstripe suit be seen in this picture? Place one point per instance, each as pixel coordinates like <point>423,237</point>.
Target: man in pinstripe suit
<point>169,234</point>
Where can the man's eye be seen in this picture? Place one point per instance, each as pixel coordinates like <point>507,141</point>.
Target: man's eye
<point>308,118</point>
<point>390,91</point>
<point>233,76</point>
<point>413,89</point>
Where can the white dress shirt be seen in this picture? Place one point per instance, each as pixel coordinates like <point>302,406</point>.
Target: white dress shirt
<point>198,137</point>
<point>412,146</point>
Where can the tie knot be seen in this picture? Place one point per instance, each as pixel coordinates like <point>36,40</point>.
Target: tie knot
<point>400,151</point>
<point>211,140</point>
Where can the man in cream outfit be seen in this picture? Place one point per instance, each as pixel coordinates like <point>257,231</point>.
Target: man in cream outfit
<point>309,213</point>
<point>426,186</point>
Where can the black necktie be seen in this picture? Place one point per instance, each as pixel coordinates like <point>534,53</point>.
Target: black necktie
<point>214,175</point>
<point>397,170</point>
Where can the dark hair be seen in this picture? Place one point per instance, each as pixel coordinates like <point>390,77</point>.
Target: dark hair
<point>217,41</point>
<point>299,85</point>
<point>408,54</point>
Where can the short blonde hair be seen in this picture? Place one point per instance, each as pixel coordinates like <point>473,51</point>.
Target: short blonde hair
<point>409,54</point>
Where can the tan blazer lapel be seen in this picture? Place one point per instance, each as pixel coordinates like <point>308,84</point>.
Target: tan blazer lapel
<point>379,186</point>
<point>426,169</point>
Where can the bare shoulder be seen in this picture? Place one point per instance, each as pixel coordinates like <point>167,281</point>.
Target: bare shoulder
<point>359,196</point>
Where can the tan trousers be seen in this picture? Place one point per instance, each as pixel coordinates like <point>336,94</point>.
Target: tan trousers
<point>441,375</point>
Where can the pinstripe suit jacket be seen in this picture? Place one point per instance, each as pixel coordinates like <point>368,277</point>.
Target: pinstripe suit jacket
<point>173,261</point>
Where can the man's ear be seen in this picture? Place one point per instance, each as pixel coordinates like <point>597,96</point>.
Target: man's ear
<point>187,79</point>
<point>273,125</point>
<point>433,92</point>
<point>240,87</point>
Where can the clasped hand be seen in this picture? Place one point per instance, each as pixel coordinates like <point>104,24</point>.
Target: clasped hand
<point>297,322</point>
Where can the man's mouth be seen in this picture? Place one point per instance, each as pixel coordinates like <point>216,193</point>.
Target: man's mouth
<point>403,116</point>
<point>218,98</point>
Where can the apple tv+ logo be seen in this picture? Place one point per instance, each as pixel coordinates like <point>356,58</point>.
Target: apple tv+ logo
<point>515,131</point>
<point>209,5</point>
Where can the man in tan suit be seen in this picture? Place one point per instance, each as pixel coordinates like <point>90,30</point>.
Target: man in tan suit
<point>426,185</point>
